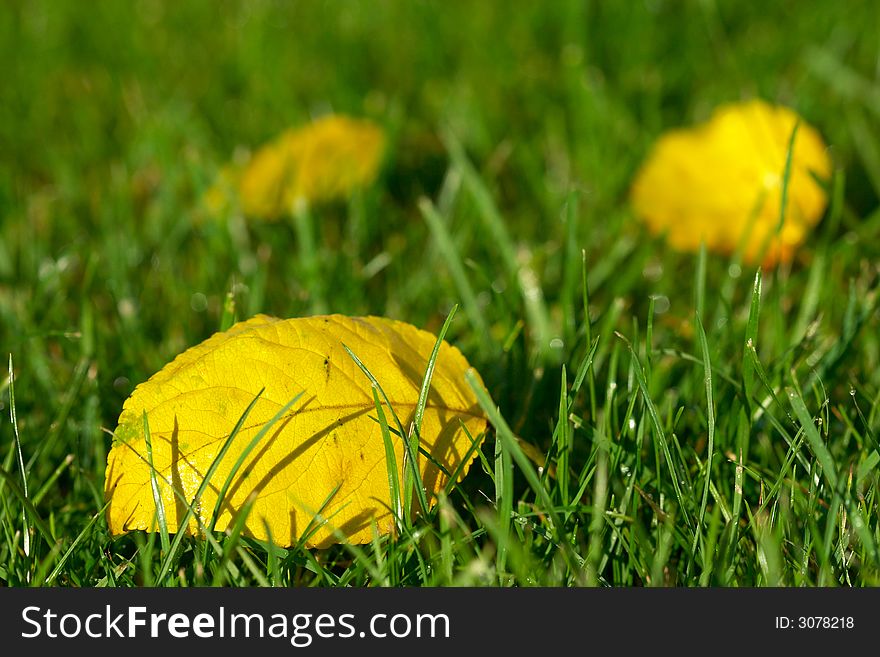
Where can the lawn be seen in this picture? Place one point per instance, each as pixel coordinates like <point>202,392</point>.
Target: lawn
<point>663,418</point>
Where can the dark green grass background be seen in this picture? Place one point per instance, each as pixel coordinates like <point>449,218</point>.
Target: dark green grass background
<point>115,117</point>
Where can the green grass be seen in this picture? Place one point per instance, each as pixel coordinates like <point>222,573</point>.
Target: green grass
<point>696,422</point>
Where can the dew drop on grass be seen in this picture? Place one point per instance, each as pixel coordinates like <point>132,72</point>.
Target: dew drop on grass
<point>198,302</point>
<point>653,271</point>
<point>661,304</point>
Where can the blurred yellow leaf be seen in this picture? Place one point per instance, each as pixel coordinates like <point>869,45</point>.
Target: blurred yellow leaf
<point>326,159</point>
<point>330,437</point>
<point>721,182</point>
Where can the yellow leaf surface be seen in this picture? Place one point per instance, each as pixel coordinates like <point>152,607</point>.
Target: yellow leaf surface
<point>720,183</point>
<point>330,437</point>
<point>326,159</point>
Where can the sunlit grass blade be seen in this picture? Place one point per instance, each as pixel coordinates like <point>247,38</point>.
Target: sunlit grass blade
<point>700,282</point>
<point>563,442</point>
<point>751,340</point>
<point>786,177</point>
<point>429,370</point>
<point>395,498</point>
<point>154,487</point>
<point>228,318</point>
<point>13,418</point>
<point>409,453</point>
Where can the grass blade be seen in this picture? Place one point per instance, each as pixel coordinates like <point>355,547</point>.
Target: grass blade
<point>154,486</point>
<point>409,453</point>
<point>658,428</point>
<point>453,262</point>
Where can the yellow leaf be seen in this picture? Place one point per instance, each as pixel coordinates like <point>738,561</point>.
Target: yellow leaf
<point>330,437</point>
<point>721,183</point>
<point>326,159</point>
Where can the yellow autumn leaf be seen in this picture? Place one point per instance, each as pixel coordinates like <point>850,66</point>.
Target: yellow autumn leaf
<point>721,183</point>
<point>326,159</point>
<point>329,440</point>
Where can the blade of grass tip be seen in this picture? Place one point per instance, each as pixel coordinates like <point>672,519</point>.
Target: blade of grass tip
<point>585,366</point>
<point>190,507</point>
<point>390,464</point>
<point>154,486</point>
<point>588,336</point>
<point>13,418</point>
<point>453,262</point>
<point>563,442</point>
<point>419,414</point>
<point>786,177</point>
<point>660,434</point>
<point>420,490</point>
<point>751,341</point>
<point>228,318</point>
<point>700,281</point>
<point>710,414</point>
<point>415,433</point>
<point>221,496</point>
